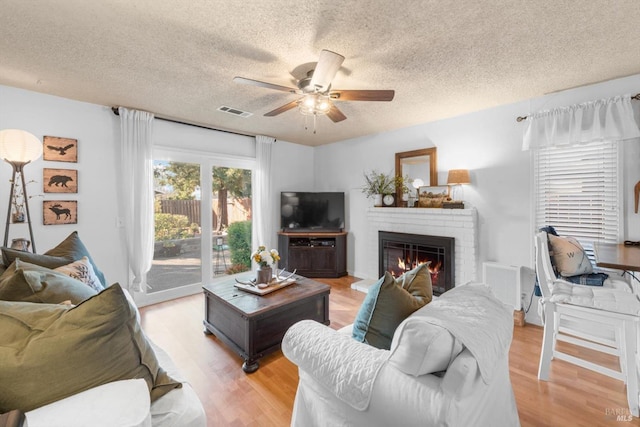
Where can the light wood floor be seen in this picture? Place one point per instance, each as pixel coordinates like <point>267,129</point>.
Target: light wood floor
<point>572,397</point>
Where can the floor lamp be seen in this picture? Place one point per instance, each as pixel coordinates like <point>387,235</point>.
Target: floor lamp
<point>18,148</point>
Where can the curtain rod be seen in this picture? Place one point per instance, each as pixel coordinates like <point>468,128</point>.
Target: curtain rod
<point>117,113</point>
<point>521,118</point>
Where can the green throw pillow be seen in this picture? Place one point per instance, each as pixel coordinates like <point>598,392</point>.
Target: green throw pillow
<point>69,250</point>
<point>418,283</point>
<point>27,282</point>
<point>388,303</point>
<point>49,352</point>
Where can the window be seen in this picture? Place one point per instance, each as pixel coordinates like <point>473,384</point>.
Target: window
<point>577,190</point>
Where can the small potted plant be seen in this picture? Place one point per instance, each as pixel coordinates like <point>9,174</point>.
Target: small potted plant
<point>378,184</point>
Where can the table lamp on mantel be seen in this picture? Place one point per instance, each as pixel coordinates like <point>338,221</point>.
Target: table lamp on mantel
<point>18,147</point>
<point>456,178</point>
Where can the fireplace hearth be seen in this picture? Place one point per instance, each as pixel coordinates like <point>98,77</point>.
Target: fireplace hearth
<point>401,252</point>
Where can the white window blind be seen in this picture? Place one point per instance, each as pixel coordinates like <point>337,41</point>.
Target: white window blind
<point>576,190</point>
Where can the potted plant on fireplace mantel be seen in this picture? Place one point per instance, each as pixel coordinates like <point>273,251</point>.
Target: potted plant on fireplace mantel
<point>377,185</point>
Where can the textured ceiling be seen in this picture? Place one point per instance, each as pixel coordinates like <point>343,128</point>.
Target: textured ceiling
<point>442,58</point>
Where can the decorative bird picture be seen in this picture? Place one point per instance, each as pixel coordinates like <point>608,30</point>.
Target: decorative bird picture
<point>61,150</point>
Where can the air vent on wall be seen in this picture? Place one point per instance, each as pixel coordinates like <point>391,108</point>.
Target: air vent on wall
<point>234,111</point>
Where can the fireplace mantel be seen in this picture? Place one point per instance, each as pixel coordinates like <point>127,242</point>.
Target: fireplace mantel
<point>461,224</point>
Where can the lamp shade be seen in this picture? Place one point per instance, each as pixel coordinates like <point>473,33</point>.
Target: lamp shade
<point>458,176</point>
<point>19,146</point>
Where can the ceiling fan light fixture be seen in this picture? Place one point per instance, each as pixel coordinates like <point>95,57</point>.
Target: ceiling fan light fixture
<point>316,91</point>
<point>315,104</point>
<point>309,101</point>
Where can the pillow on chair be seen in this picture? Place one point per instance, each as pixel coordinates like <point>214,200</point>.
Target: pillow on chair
<point>69,250</point>
<point>388,303</point>
<point>82,270</point>
<point>27,282</point>
<point>418,283</point>
<point>591,279</point>
<point>569,257</point>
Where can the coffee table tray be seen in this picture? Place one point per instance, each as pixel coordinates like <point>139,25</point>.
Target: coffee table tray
<point>268,289</point>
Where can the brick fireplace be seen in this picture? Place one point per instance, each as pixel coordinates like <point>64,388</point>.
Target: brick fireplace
<point>458,224</point>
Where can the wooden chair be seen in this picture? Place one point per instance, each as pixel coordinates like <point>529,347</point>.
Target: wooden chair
<point>605,331</point>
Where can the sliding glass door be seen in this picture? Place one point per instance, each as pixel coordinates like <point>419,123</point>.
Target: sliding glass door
<point>178,233</point>
<point>232,204</point>
<point>202,220</point>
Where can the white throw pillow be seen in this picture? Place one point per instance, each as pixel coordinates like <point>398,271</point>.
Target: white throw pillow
<point>420,348</point>
<point>569,256</point>
<point>82,270</point>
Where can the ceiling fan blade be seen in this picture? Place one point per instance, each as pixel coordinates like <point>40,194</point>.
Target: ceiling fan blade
<point>285,107</point>
<point>335,114</point>
<point>252,82</point>
<point>328,65</point>
<point>362,95</point>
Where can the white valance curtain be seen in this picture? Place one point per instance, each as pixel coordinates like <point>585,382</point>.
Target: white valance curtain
<point>603,120</point>
<point>264,203</point>
<point>136,191</point>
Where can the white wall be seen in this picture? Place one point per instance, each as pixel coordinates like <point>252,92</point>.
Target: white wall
<point>97,130</point>
<point>292,171</point>
<point>488,143</point>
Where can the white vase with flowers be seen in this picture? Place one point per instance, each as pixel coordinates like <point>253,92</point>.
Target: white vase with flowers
<point>265,259</point>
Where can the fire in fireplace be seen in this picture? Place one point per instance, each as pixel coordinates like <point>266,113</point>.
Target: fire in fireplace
<point>401,252</point>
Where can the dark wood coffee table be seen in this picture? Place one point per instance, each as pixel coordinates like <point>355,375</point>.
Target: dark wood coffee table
<point>254,325</point>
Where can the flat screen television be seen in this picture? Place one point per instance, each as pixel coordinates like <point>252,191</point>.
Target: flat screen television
<point>311,211</point>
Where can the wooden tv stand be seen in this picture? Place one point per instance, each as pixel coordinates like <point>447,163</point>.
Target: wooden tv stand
<point>314,254</point>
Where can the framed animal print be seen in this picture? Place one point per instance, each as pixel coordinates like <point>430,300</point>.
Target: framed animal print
<point>56,212</point>
<point>59,149</point>
<point>60,180</point>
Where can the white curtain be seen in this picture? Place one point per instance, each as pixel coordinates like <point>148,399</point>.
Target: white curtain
<point>136,191</point>
<point>264,202</point>
<point>603,120</point>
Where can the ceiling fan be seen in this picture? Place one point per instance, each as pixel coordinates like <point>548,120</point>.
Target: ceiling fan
<point>317,96</point>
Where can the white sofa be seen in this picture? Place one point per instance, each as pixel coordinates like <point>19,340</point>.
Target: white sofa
<point>448,366</point>
<point>125,403</point>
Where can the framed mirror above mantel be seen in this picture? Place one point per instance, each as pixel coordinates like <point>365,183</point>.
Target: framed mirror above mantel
<point>417,165</point>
